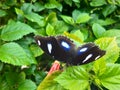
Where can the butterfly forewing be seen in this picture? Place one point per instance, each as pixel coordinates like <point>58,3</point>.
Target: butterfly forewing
<point>50,46</point>
<point>65,43</point>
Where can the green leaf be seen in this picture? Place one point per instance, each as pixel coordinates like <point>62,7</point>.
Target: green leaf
<point>60,27</point>
<point>40,31</point>
<point>27,8</point>
<point>51,18</point>
<point>85,33</point>
<point>4,85</point>
<point>113,33</point>
<point>75,38</point>
<point>69,2</point>
<point>19,11</point>
<point>77,1</point>
<point>36,50</point>
<point>2,13</point>
<point>15,30</point>
<point>50,29</point>
<point>79,34</point>
<point>13,53</point>
<point>38,7</point>
<point>109,9</point>
<point>11,78</point>
<point>33,17</point>
<point>110,46</point>
<point>82,18</point>
<point>98,30</point>
<point>1,66</point>
<point>49,84</point>
<point>53,4</point>
<point>27,85</point>
<point>107,21</point>
<point>98,3</point>
<point>111,78</point>
<point>75,14</point>
<point>67,19</point>
<point>99,68</point>
<point>74,78</point>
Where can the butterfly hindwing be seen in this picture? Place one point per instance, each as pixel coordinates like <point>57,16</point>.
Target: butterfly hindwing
<point>87,53</point>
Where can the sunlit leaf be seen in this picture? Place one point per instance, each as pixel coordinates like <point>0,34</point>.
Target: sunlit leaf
<point>15,30</point>
<point>13,53</point>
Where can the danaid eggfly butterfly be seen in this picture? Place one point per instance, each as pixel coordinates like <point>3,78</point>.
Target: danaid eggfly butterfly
<point>63,49</point>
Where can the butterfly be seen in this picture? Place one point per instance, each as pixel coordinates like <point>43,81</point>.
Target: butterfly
<point>63,49</point>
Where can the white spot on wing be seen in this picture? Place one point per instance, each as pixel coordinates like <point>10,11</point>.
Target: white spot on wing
<point>49,45</point>
<point>87,58</point>
<point>39,43</point>
<point>83,49</point>
<point>97,57</point>
<point>65,44</point>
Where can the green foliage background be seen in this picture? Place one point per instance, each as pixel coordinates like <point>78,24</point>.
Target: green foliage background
<point>23,65</point>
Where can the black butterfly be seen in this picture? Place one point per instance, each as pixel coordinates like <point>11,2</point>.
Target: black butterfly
<point>63,49</point>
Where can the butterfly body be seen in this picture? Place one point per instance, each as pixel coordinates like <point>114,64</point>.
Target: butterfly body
<point>63,49</point>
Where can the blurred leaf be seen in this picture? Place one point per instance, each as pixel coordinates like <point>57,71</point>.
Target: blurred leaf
<point>107,21</point>
<point>98,3</point>
<point>11,79</point>
<point>67,19</point>
<point>118,2</point>
<point>4,85</point>
<point>85,33</point>
<point>51,18</point>
<point>29,70</point>
<point>77,1</point>
<point>111,78</point>
<point>1,66</point>
<point>18,11</point>
<point>75,14</point>
<point>27,85</point>
<point>50,29</point>
<point>110,46</point>
<point>79,34</point>
<point>113,33</point>
<point>33,17</point>
<point>39,76</point>
<point>49,83</point>
<point>69,2</point>
<point>82,18</point>
<point>41,31</point>
<point>15,30</point>
<point>98,30</point>
<point>14,54</point>
<point>74,37</point>
<point>38,7</point>
<point>74,78</point>
<point>27,8</point>
<point>99,67</point>
<point>60,27</point>
<point>108,10</point>
<point>53,4</point>
<point>36,50</point>
<point>2,13</point>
